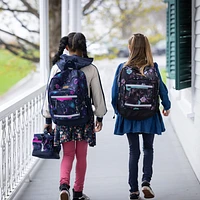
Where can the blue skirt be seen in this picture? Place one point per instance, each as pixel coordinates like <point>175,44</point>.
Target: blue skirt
<point>152,125</point>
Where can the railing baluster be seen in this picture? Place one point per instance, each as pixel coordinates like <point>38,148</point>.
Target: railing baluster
<point>18,122</point>
<point>4,156</point>
<point>1,161</point>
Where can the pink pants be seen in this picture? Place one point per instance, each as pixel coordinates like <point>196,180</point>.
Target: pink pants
<point>70,149</point>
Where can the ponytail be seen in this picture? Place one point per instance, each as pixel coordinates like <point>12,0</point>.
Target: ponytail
<point>79,43</point>
<point>85,55</point>
<point>62,46</point>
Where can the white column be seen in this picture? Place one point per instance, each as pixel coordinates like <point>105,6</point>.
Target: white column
<point>75,14</point>
<point>79,15</point>
<point>65,18</point>
<point>72,15</point>
<point>44,40</point>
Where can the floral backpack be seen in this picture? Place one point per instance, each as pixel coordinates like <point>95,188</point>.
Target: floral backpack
<point>138,94</point>
<point>69,103</point>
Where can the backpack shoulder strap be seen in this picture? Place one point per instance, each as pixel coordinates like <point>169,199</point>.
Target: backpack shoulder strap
<point>120,71</point>
<point>156,66</point>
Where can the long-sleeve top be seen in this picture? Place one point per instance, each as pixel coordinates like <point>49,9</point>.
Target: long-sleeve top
<point>152,125</point>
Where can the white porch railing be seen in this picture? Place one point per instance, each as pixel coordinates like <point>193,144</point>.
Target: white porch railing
<point>19,120</point>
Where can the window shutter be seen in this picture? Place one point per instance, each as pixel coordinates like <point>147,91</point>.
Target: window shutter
<point>179,42</point>
<point>171,30</point>
<point>183,44</point>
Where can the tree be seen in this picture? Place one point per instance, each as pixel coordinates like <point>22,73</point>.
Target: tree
<point>138,15</point>
<point>54,26</point>
<point>25,14</point>
<point>20,12</point>
<point>119,19</point>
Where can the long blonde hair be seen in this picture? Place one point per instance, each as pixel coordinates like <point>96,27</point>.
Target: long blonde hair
<point>140,52</point>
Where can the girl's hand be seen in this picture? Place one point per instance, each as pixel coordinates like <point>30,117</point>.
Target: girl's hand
<point>98,126</point>
<point>48,127</point>
<point>166,112</point>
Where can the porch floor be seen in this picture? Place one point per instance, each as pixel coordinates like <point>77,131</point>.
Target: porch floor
<point>107,172</point>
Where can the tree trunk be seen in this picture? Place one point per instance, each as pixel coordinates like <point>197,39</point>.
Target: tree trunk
<point>54,27</point>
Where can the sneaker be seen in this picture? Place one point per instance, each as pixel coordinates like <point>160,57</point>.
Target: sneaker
<point>135,195</point>
<point>147,190</point>
<point>64,192</point>
<point>79,196</point>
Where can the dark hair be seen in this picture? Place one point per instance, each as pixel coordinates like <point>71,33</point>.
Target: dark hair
<point>79,43</point>
<point>75,41</point>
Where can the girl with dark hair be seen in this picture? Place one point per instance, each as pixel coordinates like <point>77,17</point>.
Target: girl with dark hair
<point>75,139</point>
<point>140,56</point>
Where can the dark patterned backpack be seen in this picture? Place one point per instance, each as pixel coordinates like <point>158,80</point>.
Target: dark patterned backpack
<point>43,146</point>
<point>69,103</point>
<point>138,94</point>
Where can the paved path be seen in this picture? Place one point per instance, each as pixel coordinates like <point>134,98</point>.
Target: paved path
<point>107,170</point>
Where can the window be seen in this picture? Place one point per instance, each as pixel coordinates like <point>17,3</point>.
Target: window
<point>179,42</point>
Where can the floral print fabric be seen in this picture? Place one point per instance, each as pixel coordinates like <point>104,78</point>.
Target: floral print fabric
<point>76,133</point>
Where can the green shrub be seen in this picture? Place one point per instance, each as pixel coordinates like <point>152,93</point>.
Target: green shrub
<point>163,75</point>
<point>12,70</point>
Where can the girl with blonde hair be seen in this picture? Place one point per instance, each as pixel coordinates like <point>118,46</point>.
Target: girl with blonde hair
<point>140,57</point>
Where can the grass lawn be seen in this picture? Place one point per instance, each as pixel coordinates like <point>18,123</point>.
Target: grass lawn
<point>163,75</point>
<point>12,70</point>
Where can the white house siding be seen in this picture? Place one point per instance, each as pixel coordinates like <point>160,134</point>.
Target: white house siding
<point>197,64</point>
<point>185,113</point>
